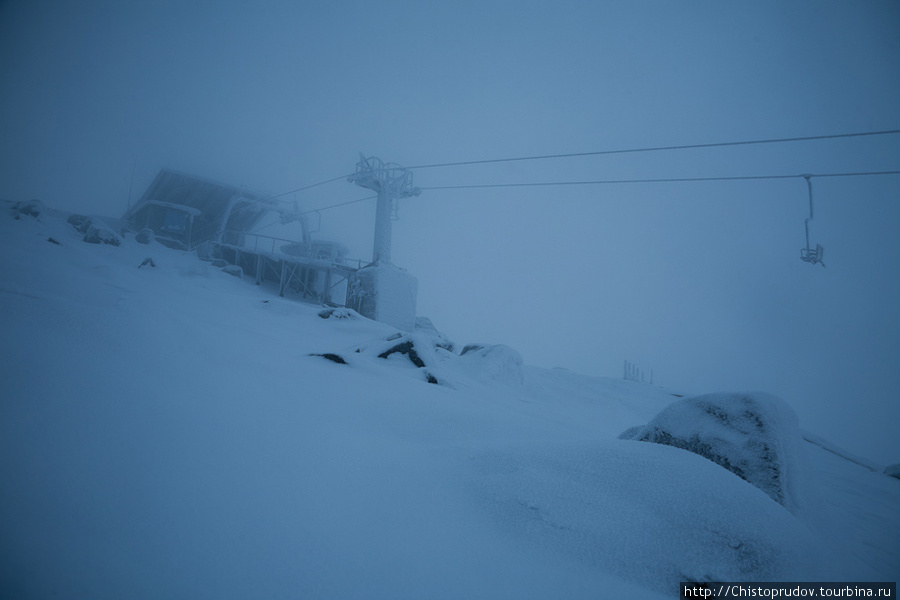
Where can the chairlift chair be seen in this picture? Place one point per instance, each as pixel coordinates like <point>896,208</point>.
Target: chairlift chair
<point>812,256</point>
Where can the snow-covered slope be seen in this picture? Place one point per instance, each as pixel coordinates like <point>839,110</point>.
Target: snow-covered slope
<point>166,433</point>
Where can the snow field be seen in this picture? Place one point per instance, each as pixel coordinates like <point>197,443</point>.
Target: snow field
<point>165,433</point>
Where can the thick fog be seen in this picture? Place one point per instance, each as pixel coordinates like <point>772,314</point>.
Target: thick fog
<point>700,282</point>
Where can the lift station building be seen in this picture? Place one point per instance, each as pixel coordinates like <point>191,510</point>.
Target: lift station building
<point>228,224</point>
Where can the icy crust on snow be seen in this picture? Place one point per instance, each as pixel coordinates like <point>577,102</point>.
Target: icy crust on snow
<point>756,436</point>
<point>651,513</point>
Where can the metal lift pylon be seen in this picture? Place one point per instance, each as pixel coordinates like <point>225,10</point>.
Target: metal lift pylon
<point>391,182</point>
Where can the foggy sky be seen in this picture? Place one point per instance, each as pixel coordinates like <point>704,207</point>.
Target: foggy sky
<point>700,282</point>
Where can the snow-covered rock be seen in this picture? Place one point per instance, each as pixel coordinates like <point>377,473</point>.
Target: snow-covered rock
<point>233,270</point>
<point>100,233</point>
<point>339,313</point>
<point>431,360</point>
<point>420,349</point>
<point>425,326</point>
<point>95,230</point>
<point>478,364</point>
<point>754,435</point>
<point>79,222</point>
<point>144,236</point>
<point>30,208</point>
<point>493,362</point>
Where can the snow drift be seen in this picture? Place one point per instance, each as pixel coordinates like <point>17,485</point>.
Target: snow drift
<point>650,513</point>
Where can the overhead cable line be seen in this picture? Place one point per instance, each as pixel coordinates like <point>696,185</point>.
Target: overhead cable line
<point>659,180</point>
<point>657,149</point>
<point>608,152</point>
<point>615,181</point>
<point>306,187</point>
<point>306,212</point>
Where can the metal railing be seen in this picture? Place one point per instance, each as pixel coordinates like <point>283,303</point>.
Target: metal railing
<point>285,248</point>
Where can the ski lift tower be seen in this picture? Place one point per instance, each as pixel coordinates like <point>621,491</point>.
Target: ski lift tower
<point>391,182</point>
<point>382,291</point>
